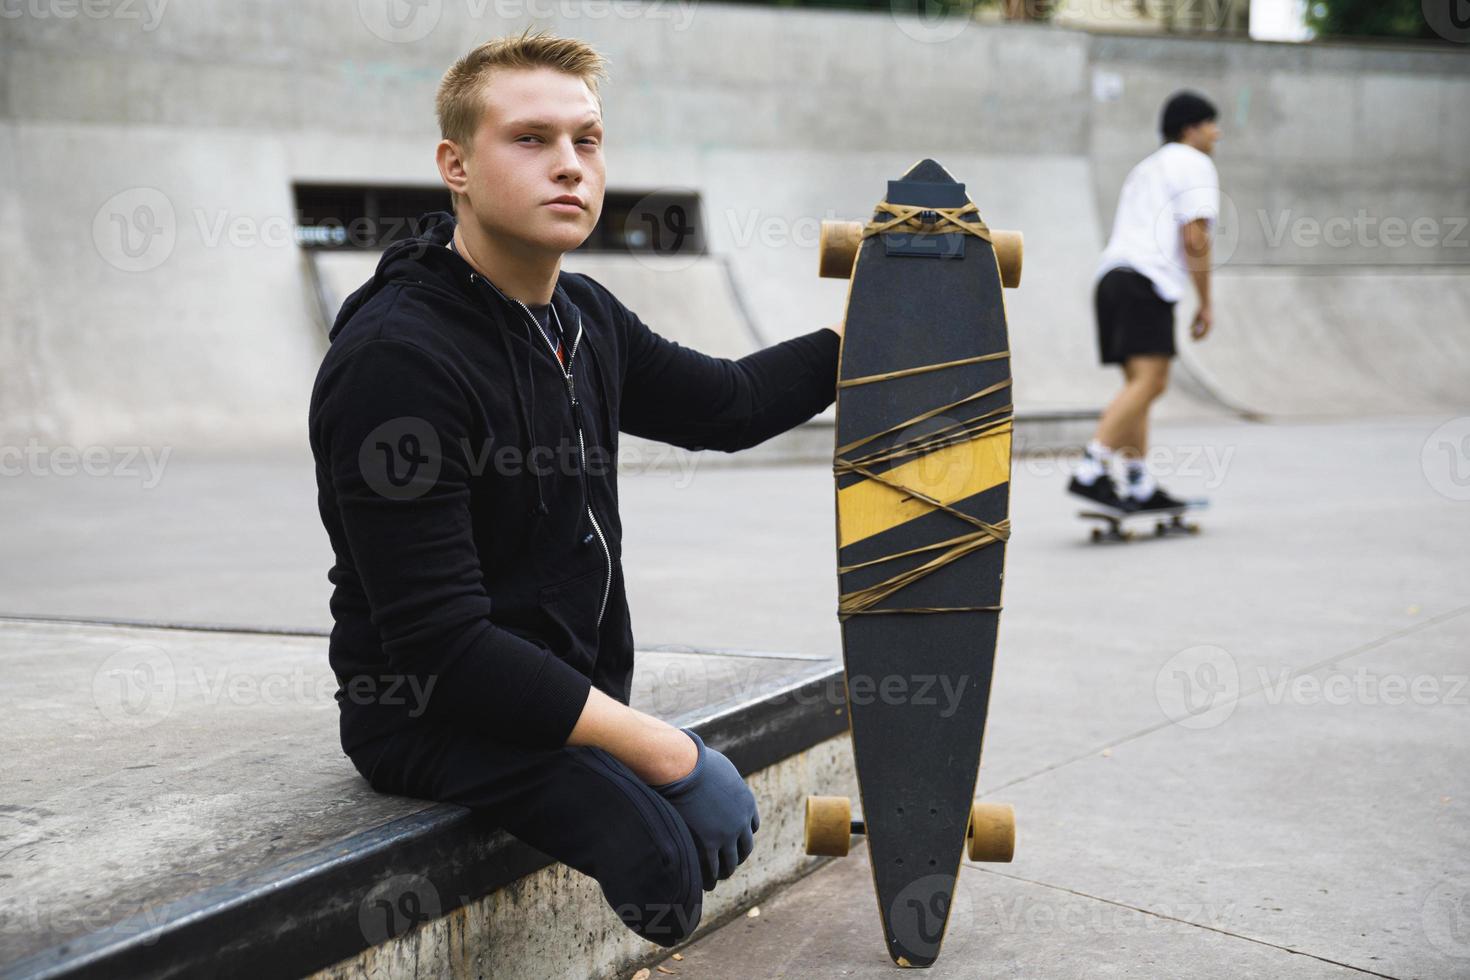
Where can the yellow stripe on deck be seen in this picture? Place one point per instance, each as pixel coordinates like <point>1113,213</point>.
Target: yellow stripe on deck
<point>870,507</point>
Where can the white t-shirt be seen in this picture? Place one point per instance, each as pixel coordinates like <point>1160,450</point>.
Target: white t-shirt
<point>1173,186</point>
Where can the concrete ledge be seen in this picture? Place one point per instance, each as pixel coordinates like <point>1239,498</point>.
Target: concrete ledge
<point>555,923</point>
<point>299,862</point>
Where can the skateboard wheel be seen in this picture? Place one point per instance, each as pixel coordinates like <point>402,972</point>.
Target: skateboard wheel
<point>1009,246</point>
<point>837,248</point>
<point>828,825</point>
<point>992,834</point>
<point>1160,529</point>
<point>1097,535</point>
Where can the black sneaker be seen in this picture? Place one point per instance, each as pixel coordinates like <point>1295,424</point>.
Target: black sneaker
<point>1160,501</point>
<point>1100,491</point>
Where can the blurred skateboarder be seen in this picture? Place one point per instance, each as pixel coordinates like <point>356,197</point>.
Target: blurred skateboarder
<point>465,423</point>
<point>1159,245</point>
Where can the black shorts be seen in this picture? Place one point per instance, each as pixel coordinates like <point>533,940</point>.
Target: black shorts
<point>1131,318</point>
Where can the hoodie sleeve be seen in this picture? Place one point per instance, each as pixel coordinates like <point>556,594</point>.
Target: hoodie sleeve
<point>389,429</point>
<point>681,396</point>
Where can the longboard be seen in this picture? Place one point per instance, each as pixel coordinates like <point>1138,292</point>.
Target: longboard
<point>922,473</point>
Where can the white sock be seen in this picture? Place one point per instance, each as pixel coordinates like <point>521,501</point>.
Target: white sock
<point>1094,463</point>
<point>1140,484</point>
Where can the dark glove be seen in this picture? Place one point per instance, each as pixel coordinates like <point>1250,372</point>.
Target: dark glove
<point>719,810</point>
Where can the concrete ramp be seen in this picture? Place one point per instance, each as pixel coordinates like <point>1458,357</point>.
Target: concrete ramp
<point>694,302</point>
<point>1337,343</point>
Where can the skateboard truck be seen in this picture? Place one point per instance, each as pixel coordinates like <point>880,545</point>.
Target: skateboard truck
<point>839,241</point>
<point>830,827</point>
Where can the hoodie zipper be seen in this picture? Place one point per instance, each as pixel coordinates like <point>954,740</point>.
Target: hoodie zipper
<point>566,371</point>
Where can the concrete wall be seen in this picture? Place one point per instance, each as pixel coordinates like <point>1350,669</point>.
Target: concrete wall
<point>186,125</point>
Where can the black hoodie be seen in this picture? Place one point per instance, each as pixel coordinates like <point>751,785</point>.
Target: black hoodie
<point>468,486</point>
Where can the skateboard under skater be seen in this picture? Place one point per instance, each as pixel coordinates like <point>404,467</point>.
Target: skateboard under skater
<point>922,472</point>
<point>1113,525</point>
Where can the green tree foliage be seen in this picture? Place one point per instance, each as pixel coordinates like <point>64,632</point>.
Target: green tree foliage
<point>1369,18</point>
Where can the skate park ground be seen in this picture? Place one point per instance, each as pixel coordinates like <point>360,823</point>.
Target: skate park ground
<point>1242,753</point>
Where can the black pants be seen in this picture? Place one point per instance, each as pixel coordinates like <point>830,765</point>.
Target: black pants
<point>578,805</point>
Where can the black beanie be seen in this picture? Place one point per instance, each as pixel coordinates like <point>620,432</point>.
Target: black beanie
<point>1183,110</point>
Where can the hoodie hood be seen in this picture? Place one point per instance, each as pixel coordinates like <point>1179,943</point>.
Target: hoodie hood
<point>425,260</point>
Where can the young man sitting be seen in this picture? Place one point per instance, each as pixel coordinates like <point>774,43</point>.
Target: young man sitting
<point>465,423</point>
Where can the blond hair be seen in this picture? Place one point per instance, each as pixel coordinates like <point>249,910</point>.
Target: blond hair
<point>460,100</point>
